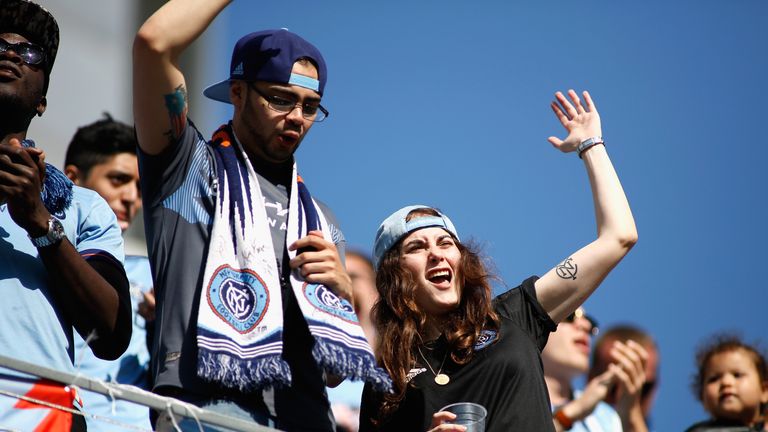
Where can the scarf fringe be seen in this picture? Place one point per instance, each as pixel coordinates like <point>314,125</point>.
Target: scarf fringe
<point>355,365</point>
<point>243,374</point>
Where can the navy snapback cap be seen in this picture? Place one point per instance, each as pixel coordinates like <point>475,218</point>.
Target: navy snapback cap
<point>269,55</point>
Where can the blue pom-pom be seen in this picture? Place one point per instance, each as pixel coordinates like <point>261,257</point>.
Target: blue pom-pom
<point>57,187</point>
<point>57,190</point>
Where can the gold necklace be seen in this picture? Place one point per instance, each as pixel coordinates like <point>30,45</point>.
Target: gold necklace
<point>440,377</point>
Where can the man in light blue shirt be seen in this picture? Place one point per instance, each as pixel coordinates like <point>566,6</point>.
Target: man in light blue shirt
<point>102,157</point>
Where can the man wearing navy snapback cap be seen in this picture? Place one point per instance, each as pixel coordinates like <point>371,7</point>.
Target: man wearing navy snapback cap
<point>254,307</point>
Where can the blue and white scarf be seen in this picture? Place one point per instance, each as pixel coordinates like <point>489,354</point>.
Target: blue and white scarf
<point>240,318</point>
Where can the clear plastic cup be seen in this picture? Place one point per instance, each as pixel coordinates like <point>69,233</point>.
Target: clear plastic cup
<point>468,414</point>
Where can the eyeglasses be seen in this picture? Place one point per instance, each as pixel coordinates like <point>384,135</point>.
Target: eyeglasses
<point>309,111</point>
<point>579,313</point>
<point>30,53</point>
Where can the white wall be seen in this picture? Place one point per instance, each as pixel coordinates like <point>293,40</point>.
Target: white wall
<point>92,74</point>
<point>92,70</point>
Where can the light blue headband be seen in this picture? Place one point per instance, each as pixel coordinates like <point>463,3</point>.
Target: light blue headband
<point>396,227</point>
<point>304,81</point>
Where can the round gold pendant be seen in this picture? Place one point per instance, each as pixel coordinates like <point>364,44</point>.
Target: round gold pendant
<point>442,379</point>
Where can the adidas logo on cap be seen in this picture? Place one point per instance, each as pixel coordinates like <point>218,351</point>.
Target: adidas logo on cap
<point>238,69</point>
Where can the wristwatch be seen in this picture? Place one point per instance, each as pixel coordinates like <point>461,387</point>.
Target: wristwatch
<point>54,235</point>
<point>589,143</point>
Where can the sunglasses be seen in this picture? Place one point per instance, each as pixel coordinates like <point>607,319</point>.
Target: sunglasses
<point>579,313</point>
<point>30,53</point>
<point>645,390</point>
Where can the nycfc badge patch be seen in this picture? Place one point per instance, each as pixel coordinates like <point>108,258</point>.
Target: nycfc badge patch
<point>239,297</point>
<point>325,300</point>
<point>486,338</point>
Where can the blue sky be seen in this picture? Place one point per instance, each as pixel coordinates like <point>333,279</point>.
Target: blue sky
<point>446,104</point>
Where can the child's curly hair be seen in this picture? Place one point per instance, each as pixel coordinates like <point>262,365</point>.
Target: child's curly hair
<point>722,343</point>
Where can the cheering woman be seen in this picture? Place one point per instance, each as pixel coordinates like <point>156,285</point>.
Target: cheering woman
<point>444,339</point>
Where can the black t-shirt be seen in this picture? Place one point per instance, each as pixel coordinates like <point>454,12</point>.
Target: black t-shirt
<point>505,374</point>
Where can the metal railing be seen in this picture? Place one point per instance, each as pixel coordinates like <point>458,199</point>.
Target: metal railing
<point>166,405</point>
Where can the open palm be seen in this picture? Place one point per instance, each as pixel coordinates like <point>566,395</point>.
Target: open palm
<point>581,121</point>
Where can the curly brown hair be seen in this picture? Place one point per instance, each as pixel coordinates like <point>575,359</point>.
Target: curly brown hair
<point>724,343</point>
<point>399,321</point>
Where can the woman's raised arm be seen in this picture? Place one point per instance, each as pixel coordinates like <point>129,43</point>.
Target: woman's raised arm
<point>562,289</point>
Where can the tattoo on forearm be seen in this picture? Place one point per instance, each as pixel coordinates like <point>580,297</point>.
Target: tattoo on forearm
<point>567,269</point>
<point>176,104</point>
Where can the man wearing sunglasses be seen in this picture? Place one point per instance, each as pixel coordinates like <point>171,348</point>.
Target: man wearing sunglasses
<point>208,202</point>
<point>60,246</point>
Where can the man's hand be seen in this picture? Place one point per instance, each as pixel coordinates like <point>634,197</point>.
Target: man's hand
<point>629,366</point>
<point>595,392</point>
<point>319,262</point>
<point>22,171</point>
<point>147,305</point>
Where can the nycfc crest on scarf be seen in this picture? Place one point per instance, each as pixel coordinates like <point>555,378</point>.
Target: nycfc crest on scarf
<point>240,318</point>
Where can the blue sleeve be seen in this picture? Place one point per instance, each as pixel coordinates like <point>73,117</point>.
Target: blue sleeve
<point>97,233</point>
<point>163,174</point>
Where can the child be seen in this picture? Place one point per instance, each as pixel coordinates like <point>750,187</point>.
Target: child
<point>732,384</point>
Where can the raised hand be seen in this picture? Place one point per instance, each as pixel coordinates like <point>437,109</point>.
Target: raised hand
<point>596,391</point>
<point>629,366</point>
<point>580,121</point>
